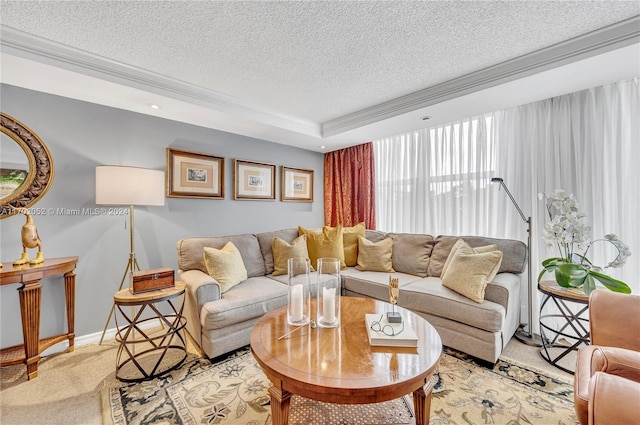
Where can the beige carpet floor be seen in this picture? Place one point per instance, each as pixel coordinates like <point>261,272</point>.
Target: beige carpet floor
<point>67,389</point>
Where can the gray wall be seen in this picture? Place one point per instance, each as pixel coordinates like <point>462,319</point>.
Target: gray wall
<point>81,136</point>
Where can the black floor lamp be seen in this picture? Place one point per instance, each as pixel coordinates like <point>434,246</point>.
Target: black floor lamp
<point>529,337</point>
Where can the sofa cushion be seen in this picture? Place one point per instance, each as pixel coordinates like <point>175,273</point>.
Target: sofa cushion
<point>328,243</point>
<point>225,265</point>
<point>250,299</point>
<point>282,251</point>
<point>514,253</point>
<point>411,253</point>
<point>374,235</point>
<point>265,240</point>
<point>428,295</point>
<point>469,272</point>
<point>373,284</point>
<point>190,252</point>
<point>375,256</point>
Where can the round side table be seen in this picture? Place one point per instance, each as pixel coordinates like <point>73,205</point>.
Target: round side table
<point>146,352</point>
<point>563,329</point>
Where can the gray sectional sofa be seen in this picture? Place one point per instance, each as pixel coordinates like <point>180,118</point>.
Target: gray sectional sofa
<point>222,322</point>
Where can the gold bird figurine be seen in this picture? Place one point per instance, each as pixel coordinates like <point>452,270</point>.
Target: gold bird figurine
<point>30,239</point>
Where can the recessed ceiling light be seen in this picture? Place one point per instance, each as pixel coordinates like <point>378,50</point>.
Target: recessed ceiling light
<point>154,106</point>
<point>426,118</point>
<point>322,147</point>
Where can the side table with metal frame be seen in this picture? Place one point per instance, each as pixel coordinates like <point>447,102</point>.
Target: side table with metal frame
<point>146,352</point>
<point>560,338</point>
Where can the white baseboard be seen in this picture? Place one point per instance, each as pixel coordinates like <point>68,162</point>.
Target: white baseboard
<point>93,338</point>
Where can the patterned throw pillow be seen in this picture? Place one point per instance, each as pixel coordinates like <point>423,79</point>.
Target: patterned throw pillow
<point>225,266</point>
<point>469,272</point>
<point>461,243</point>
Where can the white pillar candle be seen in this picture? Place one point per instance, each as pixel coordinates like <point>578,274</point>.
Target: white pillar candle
<point>296,303</point>
<point>329,304</point>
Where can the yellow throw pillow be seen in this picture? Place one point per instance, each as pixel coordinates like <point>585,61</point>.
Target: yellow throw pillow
<point>325,244</point>
<point>350,243</point>
<point>375,256</point>
<point>469,272</point>
<point>461,243</point>
<point>282,251</point>
<point>225,266</point>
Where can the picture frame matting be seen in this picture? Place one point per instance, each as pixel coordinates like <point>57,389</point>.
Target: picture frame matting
<point>194,175</point>
<point>296,184</point>
<point>254,180</point>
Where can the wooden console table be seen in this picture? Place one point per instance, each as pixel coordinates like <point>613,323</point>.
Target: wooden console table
<point>30,293</point>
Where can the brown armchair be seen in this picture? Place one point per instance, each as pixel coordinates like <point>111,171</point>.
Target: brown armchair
<point>607,378</point>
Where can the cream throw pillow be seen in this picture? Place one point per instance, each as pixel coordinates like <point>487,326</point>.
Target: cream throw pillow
<point>459,243</point>
<point>469,272</point>
<point>327,243</point>
<point>375,256</point>
<point>225,266</point>
<point>282,251</point>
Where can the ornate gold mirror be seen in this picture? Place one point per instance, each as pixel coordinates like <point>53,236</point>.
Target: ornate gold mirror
<point>26,166</point>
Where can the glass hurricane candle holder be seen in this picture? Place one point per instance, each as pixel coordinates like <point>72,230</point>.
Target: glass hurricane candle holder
<point>328,305</point>
<point>299,295</point>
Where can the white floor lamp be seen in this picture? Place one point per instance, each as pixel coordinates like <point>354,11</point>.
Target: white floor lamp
<point>121,185</point>
<point>529,337</point>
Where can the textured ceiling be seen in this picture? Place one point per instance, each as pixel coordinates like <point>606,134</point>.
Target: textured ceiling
<point>313,60</point>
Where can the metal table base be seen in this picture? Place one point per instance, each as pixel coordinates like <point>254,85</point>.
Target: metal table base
<point>561,340</point>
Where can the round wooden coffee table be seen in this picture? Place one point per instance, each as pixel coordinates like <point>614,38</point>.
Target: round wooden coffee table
<point>338,365</point>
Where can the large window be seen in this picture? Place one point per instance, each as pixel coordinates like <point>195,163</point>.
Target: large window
<point>437,180</point>
<point>428,179</point>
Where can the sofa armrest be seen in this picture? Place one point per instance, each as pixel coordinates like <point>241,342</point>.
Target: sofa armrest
<point>201,288</point>
<point>504,290</point>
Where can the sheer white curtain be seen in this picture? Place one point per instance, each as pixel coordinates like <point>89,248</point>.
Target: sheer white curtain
<point>435,180</point>
<point>588,143</point>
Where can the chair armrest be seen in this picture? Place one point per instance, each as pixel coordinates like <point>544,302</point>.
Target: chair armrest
<point>613,400</point>
<point>616,361</point>
<point>201,288</point>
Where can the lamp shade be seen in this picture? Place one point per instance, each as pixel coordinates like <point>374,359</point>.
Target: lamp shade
<point>121,185</point>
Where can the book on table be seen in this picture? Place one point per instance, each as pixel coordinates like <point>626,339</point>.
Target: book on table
<point>401,337</point>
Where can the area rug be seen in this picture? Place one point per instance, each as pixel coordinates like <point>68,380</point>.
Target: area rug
<point>234,391</point>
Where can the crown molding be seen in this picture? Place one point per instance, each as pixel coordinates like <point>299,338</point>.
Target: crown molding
<point>606,39</point>
<point>48,52</point>
<point>27,46</point>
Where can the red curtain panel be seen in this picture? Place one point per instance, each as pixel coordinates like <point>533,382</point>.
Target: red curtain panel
<point>349,187</point>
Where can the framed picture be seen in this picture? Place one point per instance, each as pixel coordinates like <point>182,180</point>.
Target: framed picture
<point>297,184</point>
<point>254,180</point>
<point>194,175</point>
